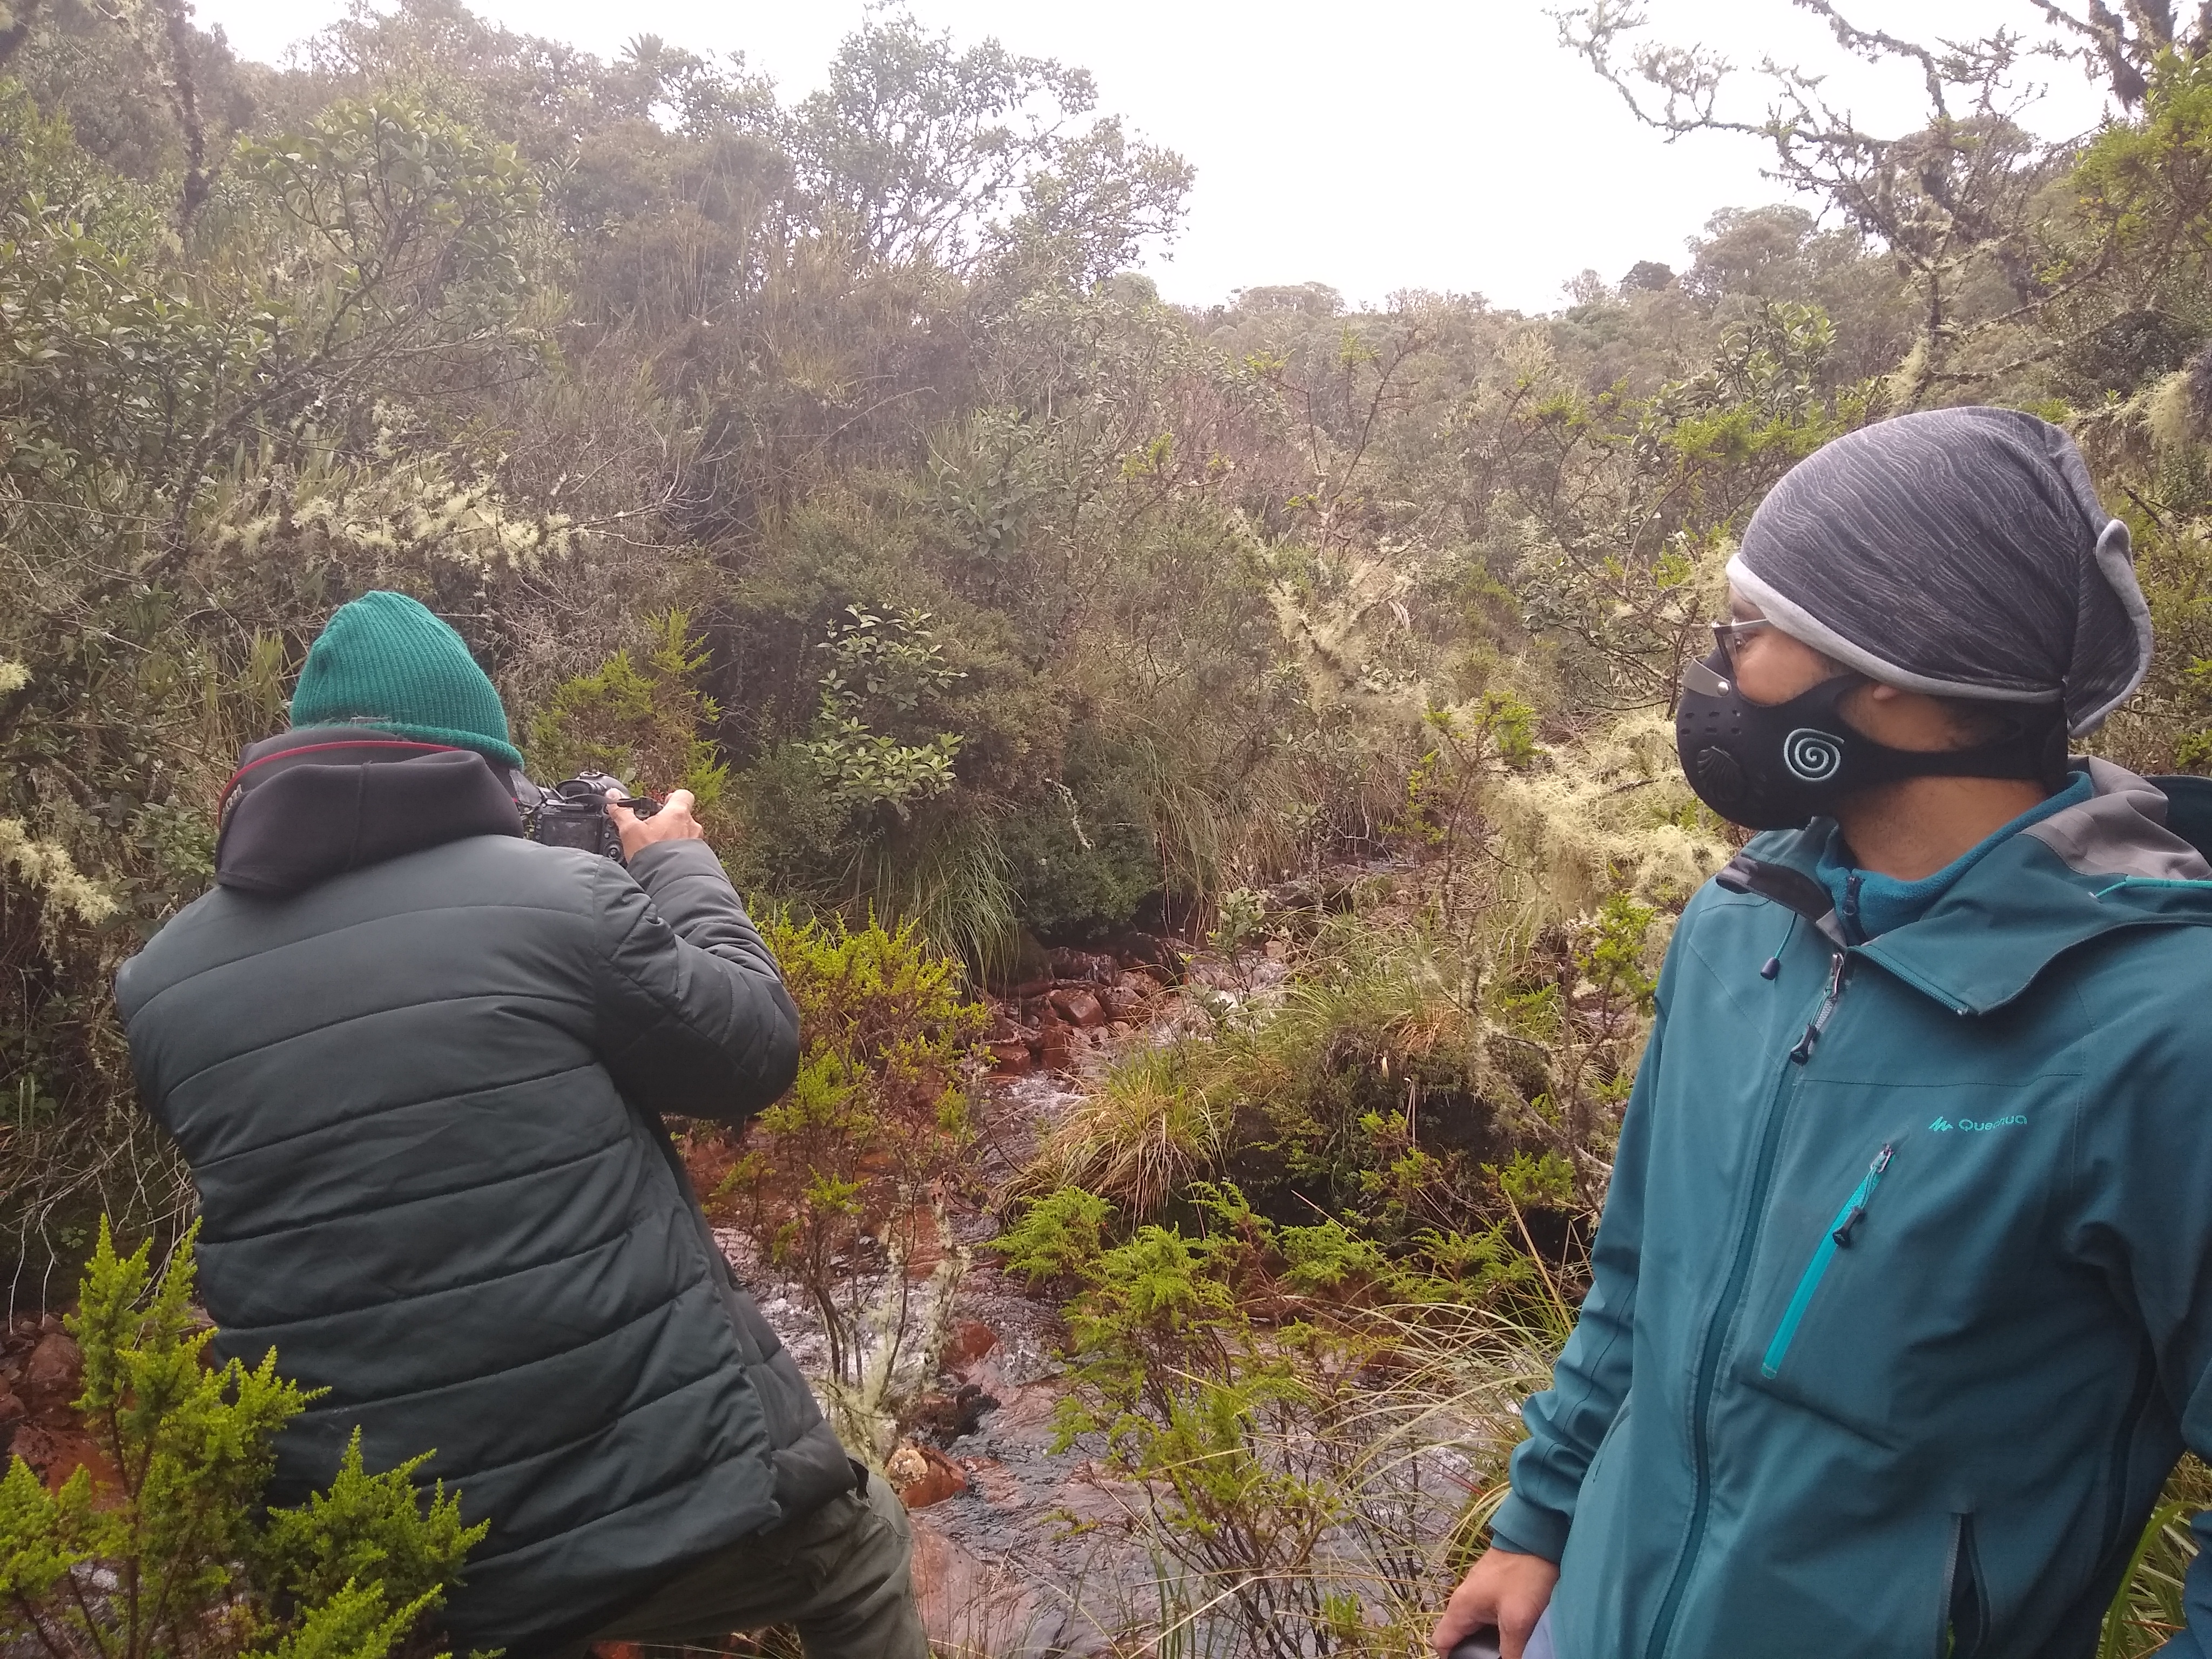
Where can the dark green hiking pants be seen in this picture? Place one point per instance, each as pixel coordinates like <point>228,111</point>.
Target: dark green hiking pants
<point>843,1575</point>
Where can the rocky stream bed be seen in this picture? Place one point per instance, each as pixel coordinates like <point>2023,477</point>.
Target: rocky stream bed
<point>1021,1552</point>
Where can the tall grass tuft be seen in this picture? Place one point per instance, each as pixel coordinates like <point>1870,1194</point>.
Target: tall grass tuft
<point>1189,821</point>
<point>1147,1129</point>
<point>948,876</point>
<point>2149,1611</point>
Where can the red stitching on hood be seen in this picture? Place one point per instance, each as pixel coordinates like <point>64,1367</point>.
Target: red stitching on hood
<point>351,743</point>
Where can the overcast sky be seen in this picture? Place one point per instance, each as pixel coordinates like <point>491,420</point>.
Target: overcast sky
<point>1446,144</point>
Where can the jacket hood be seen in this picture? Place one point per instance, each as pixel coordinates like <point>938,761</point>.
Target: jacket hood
<point>315,803</point>
<point>2118,860</point>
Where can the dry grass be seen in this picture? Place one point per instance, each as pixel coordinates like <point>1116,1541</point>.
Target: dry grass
<point>1150,1126</point>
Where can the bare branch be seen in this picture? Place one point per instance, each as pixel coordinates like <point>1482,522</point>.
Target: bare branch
<point>184,99</point>
<point>2108,45</point>
<point>1948,199</point>
<point>1688,80</point>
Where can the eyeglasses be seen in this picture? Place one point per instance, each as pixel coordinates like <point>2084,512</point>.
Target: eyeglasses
<point>1730,637</point>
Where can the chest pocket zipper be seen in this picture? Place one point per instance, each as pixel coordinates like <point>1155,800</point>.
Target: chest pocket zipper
<point>1838,1236</point>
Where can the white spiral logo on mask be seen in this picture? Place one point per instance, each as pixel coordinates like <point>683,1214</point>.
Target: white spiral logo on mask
<point>1813,755</point>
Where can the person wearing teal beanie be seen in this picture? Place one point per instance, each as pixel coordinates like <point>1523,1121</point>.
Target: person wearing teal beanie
<point>418,1064</point>
<point>385,661</point>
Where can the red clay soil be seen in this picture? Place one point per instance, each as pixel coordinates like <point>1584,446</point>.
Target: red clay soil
<point>40,1372</point>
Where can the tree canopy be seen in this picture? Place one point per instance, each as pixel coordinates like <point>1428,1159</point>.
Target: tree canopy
<point>835,447</point>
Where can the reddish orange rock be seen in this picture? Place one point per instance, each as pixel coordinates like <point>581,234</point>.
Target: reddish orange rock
<point>1079,1005</point>
<point>923,1475</point>
<point>54,1455</point>
<point>53,1375</point>
<point>1057,1045</point>
<point>971,1340</point>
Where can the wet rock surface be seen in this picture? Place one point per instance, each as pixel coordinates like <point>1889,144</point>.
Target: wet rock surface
<point>1062,1019</point>
<point>1021,1552</point>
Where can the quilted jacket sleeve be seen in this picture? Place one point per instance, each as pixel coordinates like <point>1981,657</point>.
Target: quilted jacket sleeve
<point>692,1017</point>
<point>1566,1421</point>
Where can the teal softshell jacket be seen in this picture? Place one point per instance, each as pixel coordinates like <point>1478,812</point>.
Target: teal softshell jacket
<point>1901,1306</point>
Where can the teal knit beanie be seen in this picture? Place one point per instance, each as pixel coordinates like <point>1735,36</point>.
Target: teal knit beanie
<point>384,662</point>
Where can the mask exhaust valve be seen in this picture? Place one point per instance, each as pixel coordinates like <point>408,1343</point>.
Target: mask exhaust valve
<point>1719,778</point>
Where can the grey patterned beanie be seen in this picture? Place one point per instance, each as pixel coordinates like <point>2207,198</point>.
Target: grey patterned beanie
<point>1962,552</point>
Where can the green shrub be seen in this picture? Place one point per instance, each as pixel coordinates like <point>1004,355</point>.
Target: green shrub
<point>883,673</point>
<point>1083,860</point>
<point>1281,1440</point>
<point>1059,1237</point>
<point>842,1184</point>
<point>1330,1258</point>
<point>640,723</point>
<point>1370,1086</point>
<point>172,1555</point>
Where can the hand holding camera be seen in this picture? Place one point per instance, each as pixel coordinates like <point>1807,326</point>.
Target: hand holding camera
<point>593,813</point>
<point>641,824</point>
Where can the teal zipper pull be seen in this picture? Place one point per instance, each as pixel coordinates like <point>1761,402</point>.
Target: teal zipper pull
<point>1839,1233</point>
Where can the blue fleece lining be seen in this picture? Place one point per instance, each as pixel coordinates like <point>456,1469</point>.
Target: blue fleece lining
<point>1886,903</point>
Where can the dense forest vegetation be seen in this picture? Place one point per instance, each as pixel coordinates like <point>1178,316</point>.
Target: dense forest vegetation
<point>828,456</point>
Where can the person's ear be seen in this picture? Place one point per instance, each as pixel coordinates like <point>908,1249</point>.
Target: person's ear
<point>1876,691</point>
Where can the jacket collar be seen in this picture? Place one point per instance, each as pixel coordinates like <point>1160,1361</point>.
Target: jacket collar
<point>313,804</point>
<point>2106,864</point>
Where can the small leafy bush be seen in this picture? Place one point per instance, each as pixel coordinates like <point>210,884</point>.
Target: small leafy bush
<point>1059,1238</point>
<point>172,1555</point>
<point>883,672</point>
<point>1304,1456</point>
<point>1084,860</point>
<point>841,1184</point>
<point>637,721</point>
<point>1330,1258</point>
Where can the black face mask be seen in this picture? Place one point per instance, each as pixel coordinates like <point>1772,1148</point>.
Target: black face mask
<point>1776,766</point>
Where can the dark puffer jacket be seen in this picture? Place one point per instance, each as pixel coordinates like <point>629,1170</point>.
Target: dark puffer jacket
<point>415,1062</point>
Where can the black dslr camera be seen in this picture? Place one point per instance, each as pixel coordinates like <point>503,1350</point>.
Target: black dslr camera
<point>573,812</point>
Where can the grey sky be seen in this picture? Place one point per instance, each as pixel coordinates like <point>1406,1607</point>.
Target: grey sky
<point>1448,145</point>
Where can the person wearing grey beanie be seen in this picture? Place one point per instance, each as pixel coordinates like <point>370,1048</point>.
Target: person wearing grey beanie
<point>1933,599</point>
<point>1961,552</point>
<point>1898,1317</point>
